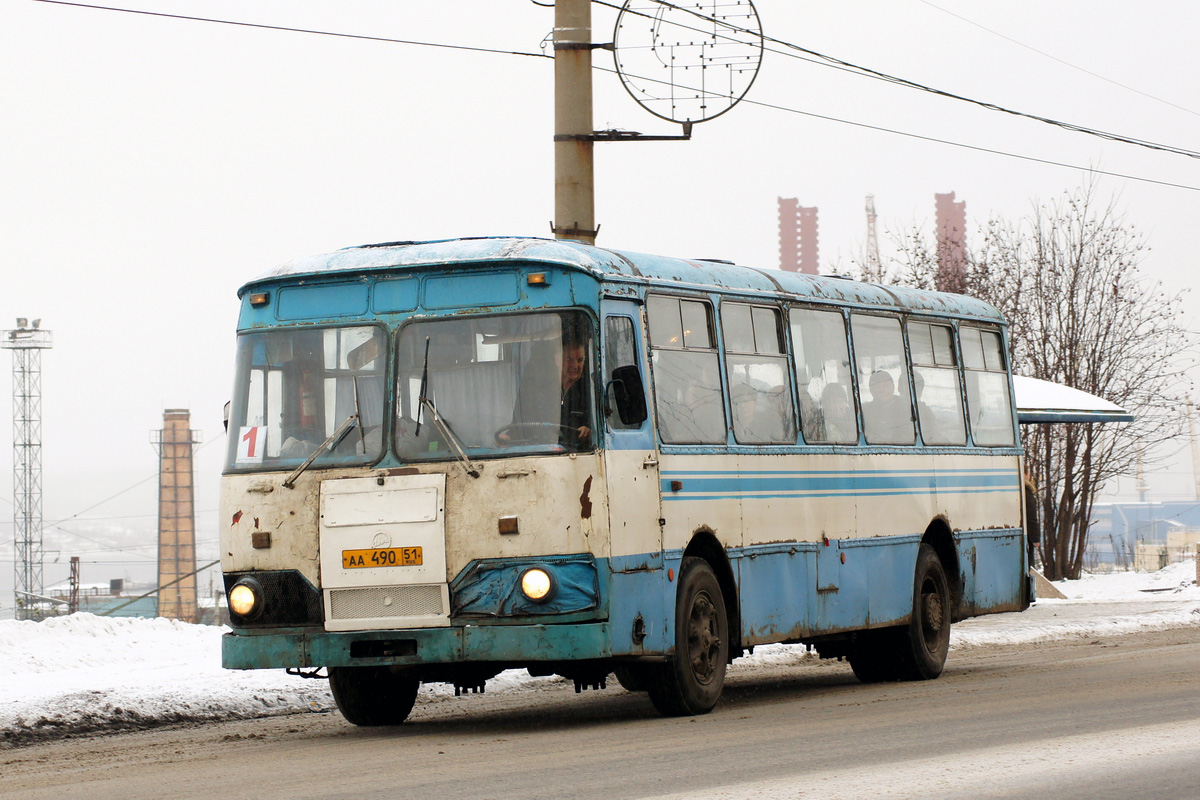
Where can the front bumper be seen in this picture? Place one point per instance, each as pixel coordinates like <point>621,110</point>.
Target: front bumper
<point>312,647</point>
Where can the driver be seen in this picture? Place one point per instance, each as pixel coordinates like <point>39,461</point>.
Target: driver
<point>573,406</point>
<point>535,404</point>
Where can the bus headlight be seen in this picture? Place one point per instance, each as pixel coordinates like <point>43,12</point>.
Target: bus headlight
<point>537,584</point>
<point>245,599</point>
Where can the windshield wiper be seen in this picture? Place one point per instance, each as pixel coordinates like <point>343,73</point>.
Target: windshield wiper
<point>331,442</point>
<point>444,427</point>
<point>451,437</point>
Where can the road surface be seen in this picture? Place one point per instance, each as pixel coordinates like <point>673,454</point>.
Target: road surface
<point>1104,717</point>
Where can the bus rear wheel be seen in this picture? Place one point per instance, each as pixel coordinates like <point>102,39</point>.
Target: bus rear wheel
<point>926,639</point>
<point>874,655</point>
<point>371,696</point>
<point>691,681</point>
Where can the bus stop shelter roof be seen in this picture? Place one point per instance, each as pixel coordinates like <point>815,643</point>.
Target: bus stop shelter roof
<point>1044,401</point>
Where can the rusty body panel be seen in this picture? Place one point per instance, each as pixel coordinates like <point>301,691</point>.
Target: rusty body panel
<point>542,492</point>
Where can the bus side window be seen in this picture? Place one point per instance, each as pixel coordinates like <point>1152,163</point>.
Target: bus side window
<point>882,379</point>
<point>687,380</point>
<point>823,371</point>
<point>620,352</point>
<point>935,379</point>
<point>988,401</point>
<point>756,366</point>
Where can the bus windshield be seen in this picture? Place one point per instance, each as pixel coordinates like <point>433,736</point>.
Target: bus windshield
<point>517,382</point>
<point>294,388</point>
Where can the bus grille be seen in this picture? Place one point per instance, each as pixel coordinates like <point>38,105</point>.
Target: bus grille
<point>386,601</point>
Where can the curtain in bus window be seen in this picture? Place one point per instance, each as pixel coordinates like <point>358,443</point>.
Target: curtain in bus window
<point>823,371</point>
<point>882,379</point>
<point>296,386</point>
<point>759,387</point>
<point>988,401</point>
<point>496,381</point>
<point>936,383</point>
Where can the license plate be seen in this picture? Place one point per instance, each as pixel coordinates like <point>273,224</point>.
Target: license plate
<point>382,557</point>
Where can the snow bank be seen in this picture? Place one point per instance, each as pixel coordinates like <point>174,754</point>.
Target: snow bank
<point>86,673</point>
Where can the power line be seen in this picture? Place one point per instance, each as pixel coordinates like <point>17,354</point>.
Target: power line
<point>932,139</point>
<point>287,29</point>
<point>825,61</point>
<point>1059,60</point>
<point>888,78</point>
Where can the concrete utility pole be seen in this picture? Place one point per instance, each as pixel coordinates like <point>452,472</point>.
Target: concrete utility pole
<point>27,344</point>
<point>574,192</point>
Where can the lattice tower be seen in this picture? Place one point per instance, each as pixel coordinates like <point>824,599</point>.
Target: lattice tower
<point>872,241</point>
<point>27,343</point>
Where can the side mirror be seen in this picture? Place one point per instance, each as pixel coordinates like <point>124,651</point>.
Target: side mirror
<point>629,394</point>
<point>228,403</point>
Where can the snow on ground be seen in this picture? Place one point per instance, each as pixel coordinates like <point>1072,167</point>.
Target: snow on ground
<point>85,673</point>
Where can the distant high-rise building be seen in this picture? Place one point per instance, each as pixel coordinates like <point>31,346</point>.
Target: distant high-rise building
<point>797,237</point>
<point>951,243</point>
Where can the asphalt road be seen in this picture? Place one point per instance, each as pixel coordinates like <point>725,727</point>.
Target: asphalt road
<point>1112,717</point>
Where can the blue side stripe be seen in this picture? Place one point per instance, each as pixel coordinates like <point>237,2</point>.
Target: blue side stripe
<point>751,483</point>
<point>851,472</point>
<point>709,485</point>
<point>669,496</point>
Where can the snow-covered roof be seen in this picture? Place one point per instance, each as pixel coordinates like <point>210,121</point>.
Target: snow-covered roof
<point>619,265</point>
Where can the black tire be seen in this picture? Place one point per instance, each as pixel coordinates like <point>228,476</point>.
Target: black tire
<point>633,677</point>
<point>926,639</point>
<point>691,681</point>
<point>873,656</point>
<point>370,696</point>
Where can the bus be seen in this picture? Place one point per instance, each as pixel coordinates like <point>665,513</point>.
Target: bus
<point>447,459</point>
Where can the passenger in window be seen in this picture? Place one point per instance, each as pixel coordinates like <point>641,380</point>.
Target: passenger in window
<point>810,416</point>
<point>758,414</point>
<point>886,416</point>
<point>932,429</point>
<point>838,414</point>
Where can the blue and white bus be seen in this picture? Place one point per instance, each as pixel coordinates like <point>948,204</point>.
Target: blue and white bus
<point>451,458</point>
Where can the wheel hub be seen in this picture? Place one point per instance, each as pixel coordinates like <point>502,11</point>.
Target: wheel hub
<point>704,643</point>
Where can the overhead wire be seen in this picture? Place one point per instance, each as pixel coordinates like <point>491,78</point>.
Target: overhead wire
<point>58,524</point>
<point>288,29</point>
<point>824,59</point>
<point>1064,62</point>
<point>934,139</point>
<point>888,78</point>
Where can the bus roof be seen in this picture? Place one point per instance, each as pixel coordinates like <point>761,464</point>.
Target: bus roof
<point>623,266</point>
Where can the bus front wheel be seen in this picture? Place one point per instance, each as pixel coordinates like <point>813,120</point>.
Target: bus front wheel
<point>370,696</point>
<point>691,681</point>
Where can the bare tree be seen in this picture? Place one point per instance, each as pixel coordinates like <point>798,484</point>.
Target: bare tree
<point>1067,278</point>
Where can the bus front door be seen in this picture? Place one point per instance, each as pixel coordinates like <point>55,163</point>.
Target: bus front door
<point>637,617</point>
